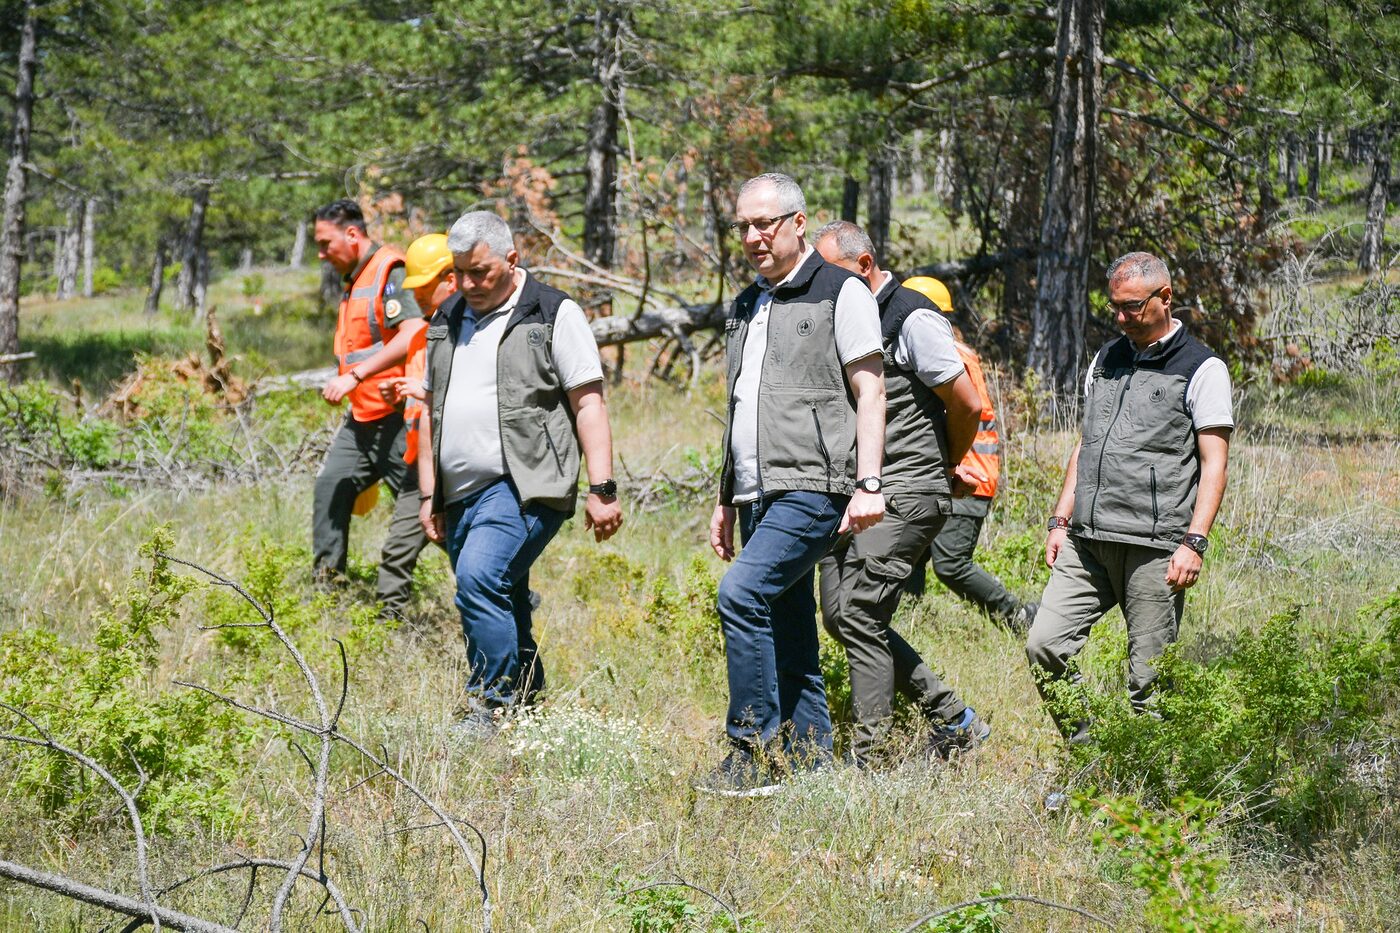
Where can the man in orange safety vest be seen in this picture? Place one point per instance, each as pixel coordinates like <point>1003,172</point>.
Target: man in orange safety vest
<point>377,323</point>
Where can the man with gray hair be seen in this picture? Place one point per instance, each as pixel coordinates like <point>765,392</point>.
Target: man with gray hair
<point>802,449</point>
<point>515,390</point>
<point>931,415</point>
<point>1141,488</point>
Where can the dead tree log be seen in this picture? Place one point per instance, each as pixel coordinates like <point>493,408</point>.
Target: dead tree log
<point>12,225</point>
<point>1373,236</point>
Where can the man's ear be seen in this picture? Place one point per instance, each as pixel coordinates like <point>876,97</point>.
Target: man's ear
<point>513,258</point>
<point>799,222</point>
<point>866,263</point>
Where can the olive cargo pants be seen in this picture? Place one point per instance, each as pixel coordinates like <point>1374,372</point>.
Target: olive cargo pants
<point>1088,579</point>
<point>862,580</point>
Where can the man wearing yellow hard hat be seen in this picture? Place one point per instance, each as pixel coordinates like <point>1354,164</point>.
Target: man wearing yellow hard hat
<point>952,548</point>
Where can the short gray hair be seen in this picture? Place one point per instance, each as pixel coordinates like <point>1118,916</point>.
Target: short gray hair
<point>475,227</point>
<point>850,240</point>
<point>1138,266</point>
<point>790,197</point>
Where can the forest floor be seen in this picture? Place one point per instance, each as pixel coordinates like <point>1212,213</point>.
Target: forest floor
<point>590,796</point>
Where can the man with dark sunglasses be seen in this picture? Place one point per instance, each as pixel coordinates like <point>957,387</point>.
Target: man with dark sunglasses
<point>802,448</point>
<point>1141,488</point>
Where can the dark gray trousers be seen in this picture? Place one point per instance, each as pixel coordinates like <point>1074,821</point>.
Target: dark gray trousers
<point>362,454</point>
<point>952,563</point>
<point>862,580</point>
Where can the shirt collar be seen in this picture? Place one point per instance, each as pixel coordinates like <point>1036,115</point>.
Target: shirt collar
<point>1158,347</point>
<point>887,283</point>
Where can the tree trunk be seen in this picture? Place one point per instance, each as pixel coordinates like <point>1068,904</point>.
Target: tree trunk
<point>12,225</point>
<point>191,250</point>
<point>600,187</point>
<point>1315,167</point>
<point>1066,220</point>
<point>298,247</point>
<point>916,165</point>
<point>245,260</point>
<point>877,224</point>
<point>1373,238</point>
<point>157,279</point>
<point>201,285</point>
<point>1293,146</point>
<point>708,211</point>
<point>332,286</point>
<point>69,243</point>
<point>850,199</point>
<point>89,245</point>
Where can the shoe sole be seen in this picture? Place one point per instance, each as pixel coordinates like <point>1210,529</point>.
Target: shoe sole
<point>767,790</point>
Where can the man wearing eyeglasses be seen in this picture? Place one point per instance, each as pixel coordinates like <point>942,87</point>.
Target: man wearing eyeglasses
<point>1141,488</point>
<point>802,450</point>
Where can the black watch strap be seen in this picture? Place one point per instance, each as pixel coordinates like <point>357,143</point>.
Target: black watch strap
<point>607,489</point>
<point>1197,543</point>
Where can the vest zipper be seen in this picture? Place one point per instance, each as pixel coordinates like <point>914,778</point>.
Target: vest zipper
<point>1152,474</point>
<point>1103,446</point>
<point>549,439</point>
<point>821,443</point>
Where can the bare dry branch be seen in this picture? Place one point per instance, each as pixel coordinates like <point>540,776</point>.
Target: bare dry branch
<point>87,894</point>
<point>1002,898</point>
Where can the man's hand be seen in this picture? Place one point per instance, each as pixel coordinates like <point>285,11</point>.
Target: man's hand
<point>1184,569</point>
<point>863,511</point>
<point>431,522</point>
<point>338,388</point>
<point>722,532</point>
<point>965,479</point>
<point>1053,542</point>
<point>397,389</point>
<point>604,516</point>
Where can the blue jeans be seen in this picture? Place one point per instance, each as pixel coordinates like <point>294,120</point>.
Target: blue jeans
<point>492,542</point>
<point>768,613</point>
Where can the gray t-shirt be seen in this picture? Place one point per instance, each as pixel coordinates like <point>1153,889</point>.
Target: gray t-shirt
<point>925,344</point>
<point>1208,394</point>
<point>471,455</point>
<point>857,320</point>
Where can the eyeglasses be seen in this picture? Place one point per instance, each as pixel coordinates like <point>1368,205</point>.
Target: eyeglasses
<point>766,226</point>
<point>1134,307</point>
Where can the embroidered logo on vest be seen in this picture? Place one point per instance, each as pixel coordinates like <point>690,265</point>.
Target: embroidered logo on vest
<point>804,327</point>
<point>1158,394</point>
<point>535,336</point>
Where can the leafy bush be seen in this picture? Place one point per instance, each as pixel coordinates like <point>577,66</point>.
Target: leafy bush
<point>33,410</point>
<point>567,742</point>
<point>100,701</point>
<point>1278,727</point>
<point>1166,856</point>
<point>105,279</point>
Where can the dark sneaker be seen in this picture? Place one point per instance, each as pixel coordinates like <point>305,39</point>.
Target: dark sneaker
<point>1023,618</point>
<point>960,736</point>
<point>741,774</point>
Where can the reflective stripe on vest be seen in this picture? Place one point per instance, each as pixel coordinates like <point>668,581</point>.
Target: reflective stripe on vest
<point>985,455</point>
<point>359,334</point>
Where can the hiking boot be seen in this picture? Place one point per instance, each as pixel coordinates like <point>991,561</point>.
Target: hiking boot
<point>1022,619</point>
<point>741,774</point>
<point>478,725</point>
<point>959,736</point>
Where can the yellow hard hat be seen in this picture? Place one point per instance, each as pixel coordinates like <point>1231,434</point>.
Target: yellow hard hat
<point>427,256</point>
<point>933,290</point>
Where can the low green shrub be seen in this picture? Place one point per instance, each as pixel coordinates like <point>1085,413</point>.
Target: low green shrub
<point>102,701</point>
<point>1280,729</point>
<point>1166,856</point>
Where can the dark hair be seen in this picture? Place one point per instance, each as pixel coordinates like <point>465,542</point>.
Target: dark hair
<point>343,213</point>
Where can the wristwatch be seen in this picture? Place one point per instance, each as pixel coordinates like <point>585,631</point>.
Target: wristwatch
<point>607,489</point>
<point>1197,543</point>
<point>1056,521</point>
<point>870,484</point>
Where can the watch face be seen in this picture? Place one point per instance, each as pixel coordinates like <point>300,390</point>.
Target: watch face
<point>870,484</point>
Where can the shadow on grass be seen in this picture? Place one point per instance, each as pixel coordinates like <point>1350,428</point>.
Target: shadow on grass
<point>100,359</point>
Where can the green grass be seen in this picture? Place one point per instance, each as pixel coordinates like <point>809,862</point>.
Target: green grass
<point>592,796</point>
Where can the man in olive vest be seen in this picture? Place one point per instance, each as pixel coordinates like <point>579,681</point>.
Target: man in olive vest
<point>802,447</point>
<point>1141,488</point>
<point>515,393</point>
<point>954,547</point>
<point>378,321</point>
<point>931,417</point>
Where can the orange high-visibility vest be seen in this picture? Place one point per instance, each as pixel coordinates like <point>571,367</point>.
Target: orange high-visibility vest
<point>985,455</point>
<point>359,333</point>
<point>415,413</point>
